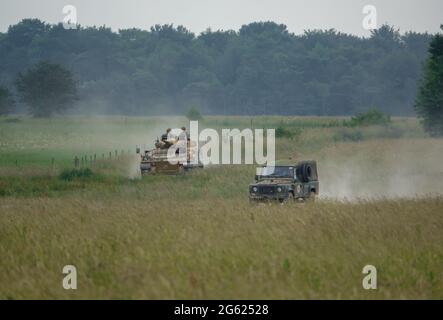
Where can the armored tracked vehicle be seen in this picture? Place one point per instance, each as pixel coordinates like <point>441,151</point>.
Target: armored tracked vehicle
<point>161,161</point>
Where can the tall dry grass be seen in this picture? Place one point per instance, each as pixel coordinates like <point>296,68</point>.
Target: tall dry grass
<point>216,249</point>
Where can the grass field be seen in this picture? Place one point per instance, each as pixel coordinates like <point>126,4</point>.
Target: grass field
<point>195,236</point>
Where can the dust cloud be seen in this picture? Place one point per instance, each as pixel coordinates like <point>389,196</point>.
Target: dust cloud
<point>382,169</point>
<point>373,169</point>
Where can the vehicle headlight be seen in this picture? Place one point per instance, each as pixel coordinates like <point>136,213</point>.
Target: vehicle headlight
<point>279,189</point>
<point>254,189</point>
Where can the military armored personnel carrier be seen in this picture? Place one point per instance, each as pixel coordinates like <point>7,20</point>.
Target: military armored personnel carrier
<point>158,161</point>
<point>285,183</point>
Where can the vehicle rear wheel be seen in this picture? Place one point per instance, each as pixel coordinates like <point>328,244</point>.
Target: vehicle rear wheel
<point>312,196</point>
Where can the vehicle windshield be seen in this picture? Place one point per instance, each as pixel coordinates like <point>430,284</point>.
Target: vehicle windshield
<point>287,172</point>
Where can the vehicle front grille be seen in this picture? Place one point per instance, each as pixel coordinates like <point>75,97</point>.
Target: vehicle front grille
<point>266,189</point>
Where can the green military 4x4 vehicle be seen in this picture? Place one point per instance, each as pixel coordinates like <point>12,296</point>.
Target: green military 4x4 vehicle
<point>285,183</point>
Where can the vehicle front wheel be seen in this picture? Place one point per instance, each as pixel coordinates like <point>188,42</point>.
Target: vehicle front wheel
<point>288,199</point>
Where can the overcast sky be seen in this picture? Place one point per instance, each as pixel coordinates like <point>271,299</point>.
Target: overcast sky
<point>198,15</point>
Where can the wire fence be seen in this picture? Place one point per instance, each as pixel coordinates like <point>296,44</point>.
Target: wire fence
<point>91,160</point>
<point>79,161</point>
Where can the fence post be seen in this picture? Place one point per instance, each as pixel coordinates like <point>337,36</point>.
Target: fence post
<point>76,162</point>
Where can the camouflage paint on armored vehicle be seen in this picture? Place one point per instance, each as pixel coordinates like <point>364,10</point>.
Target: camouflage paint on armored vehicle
<point>156,161</point>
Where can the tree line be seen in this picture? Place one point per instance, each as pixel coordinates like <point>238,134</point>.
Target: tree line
<point>260,69</point>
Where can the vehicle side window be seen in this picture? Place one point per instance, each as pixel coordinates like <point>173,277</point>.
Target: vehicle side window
<point>291,172</point>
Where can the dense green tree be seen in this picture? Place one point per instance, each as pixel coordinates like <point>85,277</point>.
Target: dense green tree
<point>6,101</point>
<point>386,38</point>
<point>47,89</point>
<point>429,103</point>
<point>194,114</point>
<point>260,69</point>
<point>27,31</point>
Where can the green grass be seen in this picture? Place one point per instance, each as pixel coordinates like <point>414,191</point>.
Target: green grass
<point>195,236</point>
<point>35,142</point>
